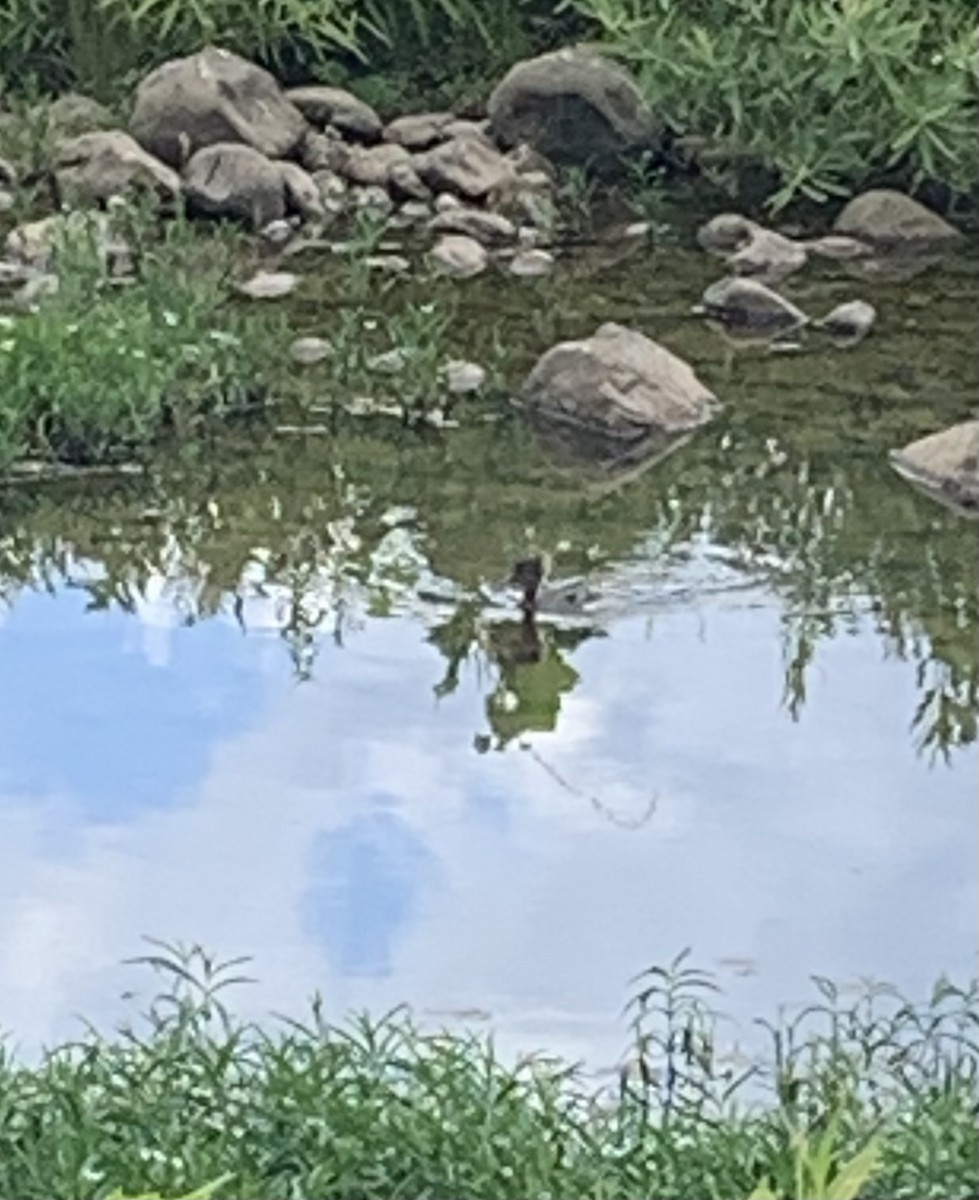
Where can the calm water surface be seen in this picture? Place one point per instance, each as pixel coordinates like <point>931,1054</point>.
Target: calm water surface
<point>245,701</point>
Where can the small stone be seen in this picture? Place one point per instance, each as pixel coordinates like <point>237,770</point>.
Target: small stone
<point>413,212</point>
<point>491,229</point>
<point>852,320</point>
<point>373,199</point>
<point>463,377</point>
<point>309,350</point>
<point>7,201</point>
<point>725,233</point>
<point>839,247</point>
<point>944,464</point>
<point>459,256</point>
<point>331,186</point>
<point>445,201</point>
<point>321,151</point>
<point>277,233</point>
<point>388,264</point>
<point>418,131</point>
<point>390,362</point>
<point>531,264</point>
<point>405,184</point>
<point>268,285</point>
<point>747,302</point>
<point>767,255</point>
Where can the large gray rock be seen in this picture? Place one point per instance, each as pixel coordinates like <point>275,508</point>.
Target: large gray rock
<point>213,97</point>
<point>466,166</point>
<point>944,464</point>
<point>234,181</point>
<point>574,107</point>
<point>91,168</point>
<point>887,218</point>
<point>620,385</point>
<point>323,106</point>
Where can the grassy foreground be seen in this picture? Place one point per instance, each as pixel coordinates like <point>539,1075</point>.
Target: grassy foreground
<point>873,1097</point>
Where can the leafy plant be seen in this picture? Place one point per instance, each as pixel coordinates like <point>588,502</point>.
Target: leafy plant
<point>830,94</point>
<point>99,370</point>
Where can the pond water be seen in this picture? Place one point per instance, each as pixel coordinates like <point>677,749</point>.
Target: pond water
<point>249,699</point>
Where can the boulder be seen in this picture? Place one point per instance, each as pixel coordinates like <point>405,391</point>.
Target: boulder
<point>234,181</point>
<point>749,303</point>
<point>323,106</point>
<point>888,218</point>
<point>944,464</point>
<point>491,229</point>
<point>419,131</point>
<point>93,167</point>
<point>574,107</point>
<point>465,166</point>
<point>458,256</point>
<point>209,98</point>
<point>620,385</point>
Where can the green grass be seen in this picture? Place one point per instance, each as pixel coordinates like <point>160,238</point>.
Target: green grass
<point>873,1097</point>
<point>104,369</point>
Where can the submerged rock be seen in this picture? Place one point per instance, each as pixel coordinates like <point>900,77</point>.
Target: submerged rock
<point>420,131</point>
<point>852,320</point>
<point>620,385</point>
<point>576,108</point>
<point>302,194</point>
<point>944,464</point>
<point>213,97</point>
<point>459,256</point>
<point>887,218</point>
<point>749,303</point>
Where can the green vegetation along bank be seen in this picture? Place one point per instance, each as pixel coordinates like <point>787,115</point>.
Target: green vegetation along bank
<point>866,1096</point>
<point>781,99</point>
